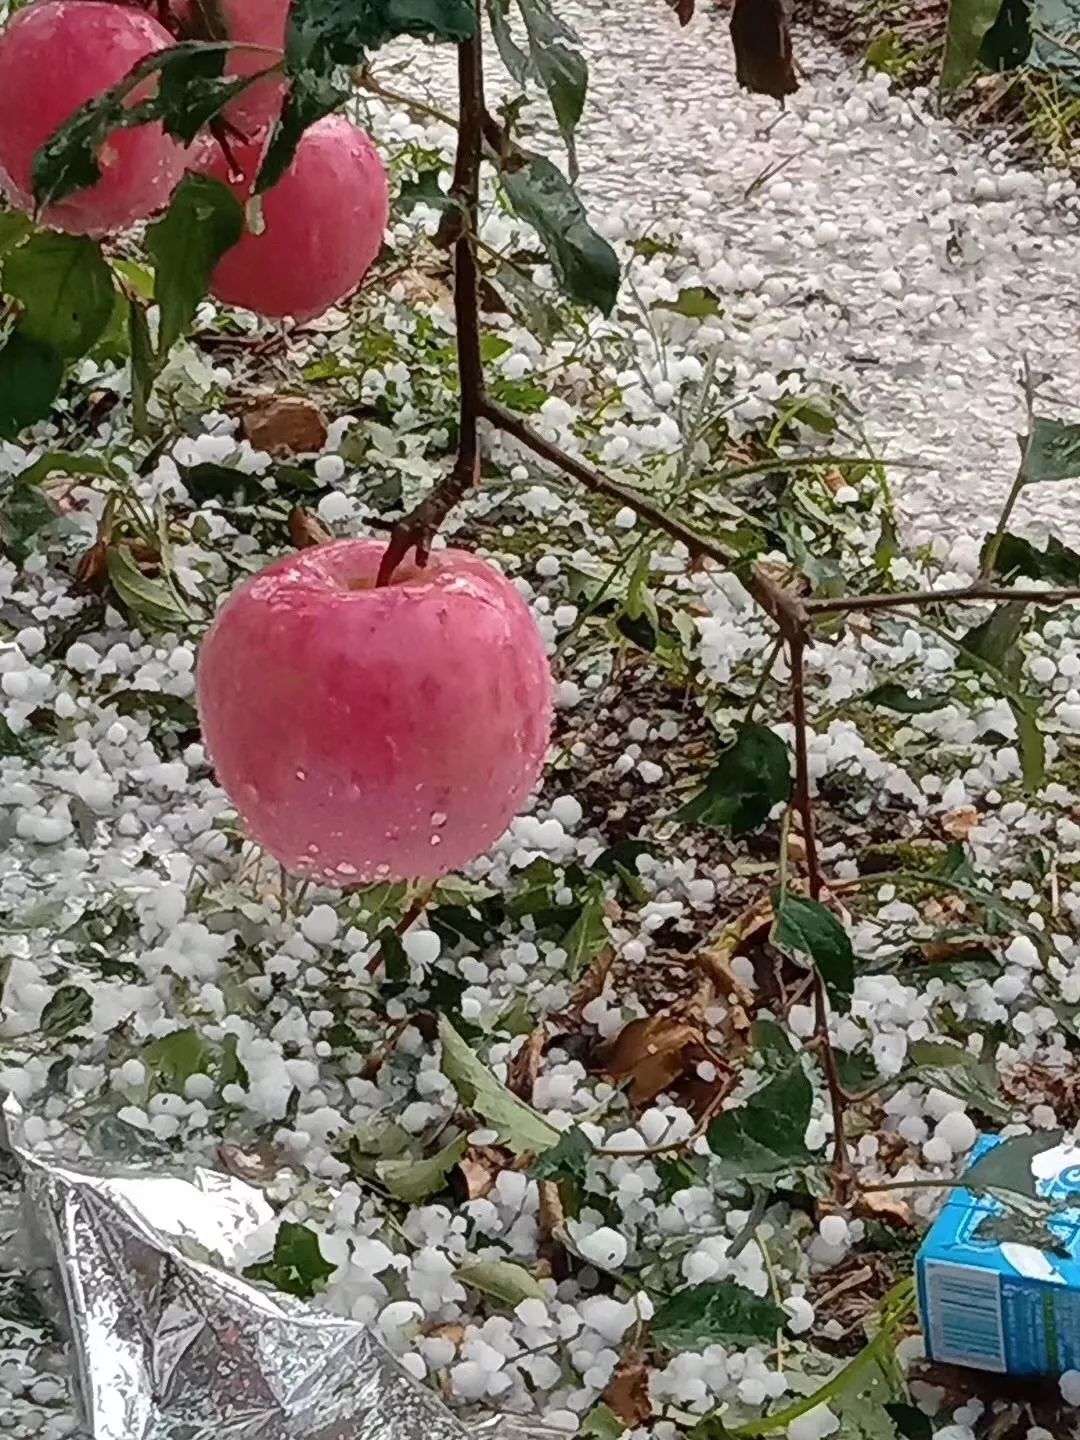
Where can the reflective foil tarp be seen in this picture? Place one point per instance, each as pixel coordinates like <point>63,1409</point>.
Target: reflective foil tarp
<point>166,1344</point>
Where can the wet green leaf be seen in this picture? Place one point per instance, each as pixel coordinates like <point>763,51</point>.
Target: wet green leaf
<point>149,600</point>
<point>568,1160</point>
<point>1052,452</point>
<point>1007,43</point>
<point>966,28</point>
<point>900,698</point>
<point>415,1180</point>
<point>176,1057</point>
<point>560,66</point>
<point>297,1265</point>
<point>750,777</point>
<point>765,1137</point>
<point>1008,1165</point>
<point>64,289</point>
<point>813,930</point>
<point>204,219</point>
<point>69,1009</point>
<point>501,1279</point>
<point>30,376</point>
<point>585,265</point>
<point>28,520</point>
<point>587,936</point>
<point>1057,563</point>
<point>519,1125</point>
<point>715,1313</point>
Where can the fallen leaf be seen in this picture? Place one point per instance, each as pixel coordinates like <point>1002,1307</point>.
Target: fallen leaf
<point>450,1330</point>
<point>592,983</point>
<point>762,42</point>
<point>93,566</point>
<point>523,1069</point>
<point>684,11</point>
<point>255,1164</point>
<point>958,824</point>
<point>305,531</point>
<point>651,1054</point>
<point>479,1168</point>
<point>879,1205</point>
<point>627,1394</point>
<point>284,425</point>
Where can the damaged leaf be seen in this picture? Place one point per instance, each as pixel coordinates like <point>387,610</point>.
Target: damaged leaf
<point>762,42</point>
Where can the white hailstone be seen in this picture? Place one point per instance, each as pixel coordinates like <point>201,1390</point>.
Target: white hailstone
<point>132,1072</point>
<point>1070,1387</point>
<point>800,1314</point>
<point>548,566</point>
<point>650,772</point>
<point>329,469</point>
<point>82,658</point>
<point>1022,951</point>
<point>625,519</point>
<point>663,392</point>
<point>937,1151</point>
<point>604,1247</point>
<point>320,925</point>
<point>421,946</point>
<point>564,616</point>
<point>828,232</point>
<point>1042,668</point>
<point>834,1231</point>
<point>816,1424</point>
<point>566,809</point>
<point>958,1131</point>
<point>31,641</point>
<point>335,507</point>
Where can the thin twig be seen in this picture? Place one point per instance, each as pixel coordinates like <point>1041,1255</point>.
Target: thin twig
<point>804,804</point>
<point>960,595</point>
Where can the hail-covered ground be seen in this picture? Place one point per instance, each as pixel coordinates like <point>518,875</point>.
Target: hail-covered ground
<point>608,970</point>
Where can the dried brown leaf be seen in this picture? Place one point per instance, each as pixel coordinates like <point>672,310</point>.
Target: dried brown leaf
<point>284,425</point>
<point>254,1164</point>
<point>958,824</point>
<point>479,1166</point>
<point>525,1066</point>
<point>305,530</point>
<point>652,1054</point>
<point>627,1394</point>
<point>878,1205</point>
<point>762,42</point>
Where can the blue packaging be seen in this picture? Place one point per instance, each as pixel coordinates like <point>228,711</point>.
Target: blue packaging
<point>999,1305</point>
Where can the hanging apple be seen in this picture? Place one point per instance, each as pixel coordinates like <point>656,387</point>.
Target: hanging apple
<point>369,732</point>
<point>54,57</point>
<point>322,223</point>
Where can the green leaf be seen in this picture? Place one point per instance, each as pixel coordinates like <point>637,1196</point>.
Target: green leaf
<point>995,639</point>
<point>911,1423</point>
<point>562,69</point>
<point>519,1125</point>
<point>951,1068</point>
<point>1030,742</point>
<point>966,28</point>
<point>60,462</point>
<point>1008,1165</point>
<point>696,302</point>
<point>65,291</point>
<point>14,227</point>
<point>1007,44</point>
<point>69,1009</point>
<point>899,698</point>
<point>501,1279</point>
<point>152,600</point>
<point>311,97</point>
<point>1018,1227</point>
<point>1051,452</point>
<point>415,1180</point>
<point>568,1160</point>
<point>512,55</point>
<point>770,1043</point>
<point>601,1423</point>
<point>1017,556</point>
<point>765,1137</point>
<point>28,518</point>
<point>424,190</point>
<point>751,776</point>
<point>176,1057</point>
<point>12,744</point>
<point>204,220</point>
<point>585,265</point>
<point>715,1313</point>
<point>811,928</point>
<point>587,936</point>
<point>297,1265</point>
<point>30,376</point>
<point>143,365</point>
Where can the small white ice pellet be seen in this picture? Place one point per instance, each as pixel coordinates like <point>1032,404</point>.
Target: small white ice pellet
<point>834,1231</point>
<point>320,926</point>
<point>422,946</point>
<point>1070,1387</point>
<point>958,1132</point>
<point>604,1247</point>
<point>625,519</point>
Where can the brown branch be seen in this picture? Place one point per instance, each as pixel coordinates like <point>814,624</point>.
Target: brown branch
<point>783,606</point>
<point>959,595</point>
<point>804,804</point>
<point>416,530</point>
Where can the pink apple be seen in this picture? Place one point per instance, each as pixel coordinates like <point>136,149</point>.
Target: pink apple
<point>323,224</point>
<point>250,22</point>
<point>369,733</point>
<point>55,56</point>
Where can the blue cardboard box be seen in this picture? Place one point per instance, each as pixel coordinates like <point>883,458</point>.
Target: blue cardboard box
<point>1004,1305</point>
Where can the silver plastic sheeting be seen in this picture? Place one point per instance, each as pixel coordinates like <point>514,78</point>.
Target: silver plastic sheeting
<point>167,1345</point>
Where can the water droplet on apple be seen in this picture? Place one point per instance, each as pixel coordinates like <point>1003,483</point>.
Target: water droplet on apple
<point>301,774</point>
<point>438,820</point>
<point>313,849</point>
<point>436,839</point>
<point>382,870</point>
<point>346,869</point>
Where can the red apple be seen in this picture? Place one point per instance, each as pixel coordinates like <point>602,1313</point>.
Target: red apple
<point>250,22</point>
<point>54,57</point>
<point>323,224</point>
<point>375,733</point>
